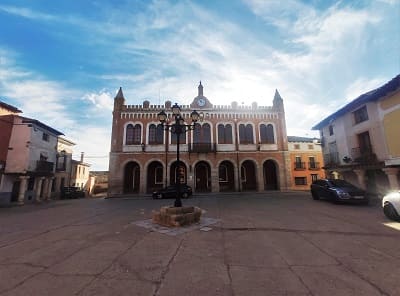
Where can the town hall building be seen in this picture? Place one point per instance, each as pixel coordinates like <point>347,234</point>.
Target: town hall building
<point>232,147</point>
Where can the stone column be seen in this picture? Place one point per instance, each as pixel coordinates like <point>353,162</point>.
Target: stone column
<point>392,176</point>
<point>38,187</point>
<point>214,180</point>
<point>22,189</point>
<point>361,178</point>
<point>143,180</point>
<point>48,192</point>
<point>260,178</point>
<point>45,189</point>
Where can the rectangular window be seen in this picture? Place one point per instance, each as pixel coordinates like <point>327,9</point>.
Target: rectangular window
<point>45,137</point>
<point>314,177</point>
<point>297,146</point>
<point>223,174</point>
<point>300,180</point>
<point>310,147</point>
<point>360,115</point>
<point>312,163</point>
<point>330,130</point>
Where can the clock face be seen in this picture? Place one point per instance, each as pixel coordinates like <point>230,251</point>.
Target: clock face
<point>201,102</point>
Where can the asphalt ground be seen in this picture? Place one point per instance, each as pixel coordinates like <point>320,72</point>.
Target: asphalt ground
<point>277,243</point>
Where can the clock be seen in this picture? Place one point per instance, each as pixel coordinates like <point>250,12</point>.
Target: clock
<point>201,102</point>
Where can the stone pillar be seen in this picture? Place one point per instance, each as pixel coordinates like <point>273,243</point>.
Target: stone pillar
<point>22,189</point>
<point>214,180</point>
<point>361,178</point>
<point>38,187</point>
<point>43,195</point>
<point>260,179</point>
<point>143,180</point>
<point>236,178</point>
<point>48,192</point>
<point>392,176</point>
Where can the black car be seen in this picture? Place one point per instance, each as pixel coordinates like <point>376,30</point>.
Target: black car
<point>171,191</point>
<point>337,190</point>
<point>72,192</point>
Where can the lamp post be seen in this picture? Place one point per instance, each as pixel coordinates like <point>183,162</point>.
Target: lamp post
<point>177,127</point>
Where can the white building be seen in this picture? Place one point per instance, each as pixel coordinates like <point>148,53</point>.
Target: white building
<point>30,162</point>
<point>361,140</point>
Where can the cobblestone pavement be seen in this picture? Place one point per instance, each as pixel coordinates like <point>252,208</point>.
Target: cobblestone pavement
<point>257,244</point>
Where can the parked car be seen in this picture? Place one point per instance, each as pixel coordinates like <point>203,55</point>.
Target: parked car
<point>391,205</point>
<point>171,191</point>
<point>72,192</point>
<point>337,190</point>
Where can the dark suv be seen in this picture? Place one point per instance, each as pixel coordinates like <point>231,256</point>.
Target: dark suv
<point>171,192</point>
<point>72,192</point>
<point>337,190</point>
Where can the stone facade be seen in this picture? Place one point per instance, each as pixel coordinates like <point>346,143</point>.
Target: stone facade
<point>232,148</point>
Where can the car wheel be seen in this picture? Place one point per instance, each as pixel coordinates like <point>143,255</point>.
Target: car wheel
<point>314,195</point>
<point>390,212</point>
<point>185,195</point>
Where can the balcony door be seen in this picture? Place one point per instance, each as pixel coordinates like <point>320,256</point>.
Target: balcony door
<point>364,143</point>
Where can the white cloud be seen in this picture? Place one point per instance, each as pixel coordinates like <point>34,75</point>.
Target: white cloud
<point>361,86</point>
<point>102,99</point>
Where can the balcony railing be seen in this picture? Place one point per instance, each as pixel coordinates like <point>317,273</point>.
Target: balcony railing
<point>331,159</point>
<point>363,155</point>
<point>43,166</point>
<point>202,147</point>
<point>299,166</point>
<point>313,165</point>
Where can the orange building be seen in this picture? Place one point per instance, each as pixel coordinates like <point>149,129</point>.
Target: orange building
<point>306,161</point>
<point>232,148</point>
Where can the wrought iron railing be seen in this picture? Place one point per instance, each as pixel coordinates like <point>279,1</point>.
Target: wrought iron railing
<point>202,147</point>
<point>299,165</point>
<point>363,155</point>
<point>43,166</point>
<point>313,165</point>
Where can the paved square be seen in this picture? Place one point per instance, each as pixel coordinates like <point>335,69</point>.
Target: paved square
<point>246,244</point>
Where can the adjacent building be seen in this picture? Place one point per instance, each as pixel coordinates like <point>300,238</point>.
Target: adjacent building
<point>232,148</point>
<point>360,141</point>
<point>306,161</point>
<point>28,155</point>
<point>80,174</point>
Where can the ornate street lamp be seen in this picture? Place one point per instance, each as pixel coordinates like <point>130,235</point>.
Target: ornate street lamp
<point>177,127</point>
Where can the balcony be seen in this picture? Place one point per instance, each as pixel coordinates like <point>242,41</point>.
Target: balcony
<point>313,165</point>
<point>331,159</point>
<point>202,147</point>
<point>363,155</point>
<point>299,166</point>
<point>43,166</point>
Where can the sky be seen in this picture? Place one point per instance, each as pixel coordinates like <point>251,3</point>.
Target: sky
<point>62,62</point>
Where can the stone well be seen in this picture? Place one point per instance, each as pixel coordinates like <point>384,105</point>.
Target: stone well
<point>177,216</point>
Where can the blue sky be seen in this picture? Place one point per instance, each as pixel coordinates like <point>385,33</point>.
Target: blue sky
<point>62,61</point>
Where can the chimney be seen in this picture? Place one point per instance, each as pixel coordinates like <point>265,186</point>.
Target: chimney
<point>82,156</point>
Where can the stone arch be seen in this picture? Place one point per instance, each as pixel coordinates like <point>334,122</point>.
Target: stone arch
<point>248,175</point>
<point>155,176</point>
<point>271,175</point>
<point>131,177</point>
<point>202,175</point>
<point>226,176</point>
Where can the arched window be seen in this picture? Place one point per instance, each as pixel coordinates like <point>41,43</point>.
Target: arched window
<point>246,134</point>
<point>202,133</point>
<point>224,134</point>
<point>267,134</point>
<point>221,134</point>
<point>270,134</point>
<point>133,134</point>
<point>156,134</point>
